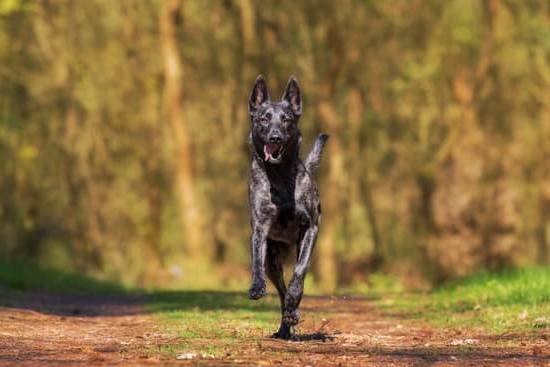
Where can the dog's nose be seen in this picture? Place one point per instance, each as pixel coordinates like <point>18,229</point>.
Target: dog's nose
<point>275,139</point>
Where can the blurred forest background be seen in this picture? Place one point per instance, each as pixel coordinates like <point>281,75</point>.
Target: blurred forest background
<point>123,134</point>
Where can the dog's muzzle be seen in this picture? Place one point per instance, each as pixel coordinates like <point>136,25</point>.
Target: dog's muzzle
<point>273,153</point>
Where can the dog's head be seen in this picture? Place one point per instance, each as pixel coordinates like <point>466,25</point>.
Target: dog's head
<point>275,132</point>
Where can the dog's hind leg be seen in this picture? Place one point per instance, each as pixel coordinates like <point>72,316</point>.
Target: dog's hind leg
<point>274,269</point>
<point>295,289</point>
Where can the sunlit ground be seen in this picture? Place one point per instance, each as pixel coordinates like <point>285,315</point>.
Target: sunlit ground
<point>511,301</point>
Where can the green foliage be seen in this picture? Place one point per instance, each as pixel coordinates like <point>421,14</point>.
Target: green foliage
<point>10,6</point>
<point>437,111</point>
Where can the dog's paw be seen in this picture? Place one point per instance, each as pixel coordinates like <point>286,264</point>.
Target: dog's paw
<point>285,332</point>
<point>257,291</point>
<point>291,317</point>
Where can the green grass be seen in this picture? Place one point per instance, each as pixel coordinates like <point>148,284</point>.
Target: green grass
<point>526,286</point>
<point>213,322</point>
<point>514,300</point>
<point>22,276</point>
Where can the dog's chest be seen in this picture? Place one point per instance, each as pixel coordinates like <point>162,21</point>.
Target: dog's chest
<point>284,226</point>
<point>281,198</point>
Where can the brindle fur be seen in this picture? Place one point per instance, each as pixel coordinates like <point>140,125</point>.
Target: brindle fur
<point>284,202</point>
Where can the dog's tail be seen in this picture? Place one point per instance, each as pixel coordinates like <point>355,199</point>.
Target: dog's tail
<point>314,157</point>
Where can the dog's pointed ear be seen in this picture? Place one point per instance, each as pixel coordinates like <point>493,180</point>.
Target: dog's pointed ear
<point>258,95</point>
<point>292,96</point>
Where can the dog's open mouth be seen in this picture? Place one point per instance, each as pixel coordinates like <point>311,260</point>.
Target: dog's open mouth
<point>273,152</point>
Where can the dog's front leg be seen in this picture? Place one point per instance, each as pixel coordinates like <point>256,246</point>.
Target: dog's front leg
<point>258,244</point>
<point>296,286</point>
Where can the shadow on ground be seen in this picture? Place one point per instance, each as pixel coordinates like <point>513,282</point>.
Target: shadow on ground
<point>87,305</point>
<point>52,291</point>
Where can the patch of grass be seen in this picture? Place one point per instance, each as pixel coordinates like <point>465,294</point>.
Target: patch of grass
<point>21,276</point>
<point>526,286</point>
<point>213,322</point>
<point>514,300</point>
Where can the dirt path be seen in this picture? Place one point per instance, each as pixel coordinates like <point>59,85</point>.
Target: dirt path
<point>62,329</point>
<point>69,330</point>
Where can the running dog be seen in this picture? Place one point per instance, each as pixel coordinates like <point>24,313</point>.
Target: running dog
<point>285,208</point>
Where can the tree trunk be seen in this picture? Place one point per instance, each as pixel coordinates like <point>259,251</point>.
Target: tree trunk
<point>332,217</point>
<point>198,244</point>
<point>360,169</point>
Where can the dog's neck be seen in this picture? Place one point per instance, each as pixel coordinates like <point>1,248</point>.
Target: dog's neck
<point>281,176</point>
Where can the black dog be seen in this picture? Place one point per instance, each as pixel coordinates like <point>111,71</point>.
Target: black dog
<point>284,202</point>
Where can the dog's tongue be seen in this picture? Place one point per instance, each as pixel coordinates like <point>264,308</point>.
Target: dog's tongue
<point>272,148</point>
<point>269,149</point>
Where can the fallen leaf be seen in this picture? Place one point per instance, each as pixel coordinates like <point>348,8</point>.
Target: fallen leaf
<point>523,315</point>
<point>464,341</point>
<point>188,355</point>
